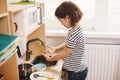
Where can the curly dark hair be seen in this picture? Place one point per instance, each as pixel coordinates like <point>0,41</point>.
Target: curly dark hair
<point>68,8</point>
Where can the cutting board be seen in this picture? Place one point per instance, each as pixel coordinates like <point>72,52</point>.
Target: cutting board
<point>6,41</point>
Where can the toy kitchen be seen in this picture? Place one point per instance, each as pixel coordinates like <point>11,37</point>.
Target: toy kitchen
<point>22,39</point>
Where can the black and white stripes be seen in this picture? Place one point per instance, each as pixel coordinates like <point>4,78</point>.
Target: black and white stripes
<point>75,40</point>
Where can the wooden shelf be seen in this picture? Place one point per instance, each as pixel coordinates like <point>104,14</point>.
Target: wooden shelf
<point>3,15</point>
<point>4,18</point>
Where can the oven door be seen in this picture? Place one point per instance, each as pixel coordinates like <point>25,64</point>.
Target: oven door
<point>21,51</point>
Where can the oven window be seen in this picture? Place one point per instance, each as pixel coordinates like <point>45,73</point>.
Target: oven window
<point>32,17</point>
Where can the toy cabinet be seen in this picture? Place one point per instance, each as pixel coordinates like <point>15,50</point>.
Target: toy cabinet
<point>8,67</point>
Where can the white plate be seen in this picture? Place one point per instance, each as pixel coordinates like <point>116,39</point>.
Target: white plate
<point>43,73</point>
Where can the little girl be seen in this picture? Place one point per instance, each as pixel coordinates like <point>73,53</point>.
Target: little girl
<point>73,48</point>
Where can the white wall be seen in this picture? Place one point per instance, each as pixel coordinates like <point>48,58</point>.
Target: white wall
<point>99,15</point>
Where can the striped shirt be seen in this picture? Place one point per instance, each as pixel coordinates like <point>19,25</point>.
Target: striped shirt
<point>75,60</point>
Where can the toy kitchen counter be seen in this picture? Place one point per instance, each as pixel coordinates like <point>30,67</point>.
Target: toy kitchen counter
<point>52,71</point>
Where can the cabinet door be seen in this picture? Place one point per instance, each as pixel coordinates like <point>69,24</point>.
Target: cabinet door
<point>4,25</point>
<point>3,6</point>
<point>10,69</point>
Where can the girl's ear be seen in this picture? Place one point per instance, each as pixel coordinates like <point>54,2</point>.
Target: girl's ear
<point>68,18</point>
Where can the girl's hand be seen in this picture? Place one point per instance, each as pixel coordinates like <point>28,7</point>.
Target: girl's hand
<point>45,56</point>
<point>49,50</point>
<point>48,53</point>
<point>48,57</point>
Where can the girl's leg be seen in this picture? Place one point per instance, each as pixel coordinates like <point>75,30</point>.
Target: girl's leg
<point>77,76</point>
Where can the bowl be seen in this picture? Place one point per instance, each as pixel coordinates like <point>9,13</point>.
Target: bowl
<point>40,66</point>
